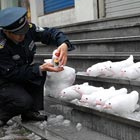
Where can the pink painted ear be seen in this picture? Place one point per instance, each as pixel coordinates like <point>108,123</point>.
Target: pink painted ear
<point>63,93</point>
<point>107,106</point>
<point>98,103</point>
<point>88,70</point>
<point>84,100</point>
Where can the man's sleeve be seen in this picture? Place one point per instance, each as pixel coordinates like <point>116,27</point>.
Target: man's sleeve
<point>51,36</point>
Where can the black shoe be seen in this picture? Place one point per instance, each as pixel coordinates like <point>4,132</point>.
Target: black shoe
<point>33,116</point>
<point>2,123</point>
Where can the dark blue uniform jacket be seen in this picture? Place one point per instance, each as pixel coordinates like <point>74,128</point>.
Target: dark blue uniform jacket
<point>16,59</point>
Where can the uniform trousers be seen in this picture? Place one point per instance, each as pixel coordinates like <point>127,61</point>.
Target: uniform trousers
<point>18,99</point>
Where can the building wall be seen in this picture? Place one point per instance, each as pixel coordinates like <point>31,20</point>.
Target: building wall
<point>8,3</point>
<point>82,11</point>
<point>121,7</point>
<point>36,9</point>
<point>21,3</point>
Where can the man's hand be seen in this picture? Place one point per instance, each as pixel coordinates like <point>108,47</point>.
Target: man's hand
<point>62,50</point>
<point>50,67</point>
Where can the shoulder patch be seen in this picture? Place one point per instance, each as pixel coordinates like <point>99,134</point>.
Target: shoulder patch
<point>39,29</point>
<point>2,43</point>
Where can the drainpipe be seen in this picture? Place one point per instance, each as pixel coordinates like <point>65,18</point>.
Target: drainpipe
<point>37,9</point>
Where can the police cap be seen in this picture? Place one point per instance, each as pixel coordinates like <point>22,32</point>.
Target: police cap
<point>14,19</point>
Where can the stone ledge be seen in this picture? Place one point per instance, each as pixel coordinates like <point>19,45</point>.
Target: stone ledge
<point>97,55</point>
<point>82,61</point>
<point>105,40</point>
<point>100,40</point>
<point>102,28</point>
<point>114,45</point>
<point>107,82</point>
<point>121,20</point>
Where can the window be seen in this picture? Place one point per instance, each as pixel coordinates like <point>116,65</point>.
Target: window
<point>55,5</point>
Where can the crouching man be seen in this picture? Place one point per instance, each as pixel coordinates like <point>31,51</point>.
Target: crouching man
<point>21,81</point>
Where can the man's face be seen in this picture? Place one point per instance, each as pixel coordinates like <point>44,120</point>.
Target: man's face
<point>15,37</point>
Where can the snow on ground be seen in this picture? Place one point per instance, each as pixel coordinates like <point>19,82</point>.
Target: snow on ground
<point>13,131</point>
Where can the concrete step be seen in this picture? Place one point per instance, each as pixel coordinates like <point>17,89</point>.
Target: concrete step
<point>100,45</point>
<point>82,61</point>
<point>104,32</point>
<point>107,45</point>
<point>129,20</point>
<point>60,132</point>
<point>113,126</point>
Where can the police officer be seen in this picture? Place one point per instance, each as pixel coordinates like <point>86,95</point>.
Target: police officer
<point>21,80</point>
